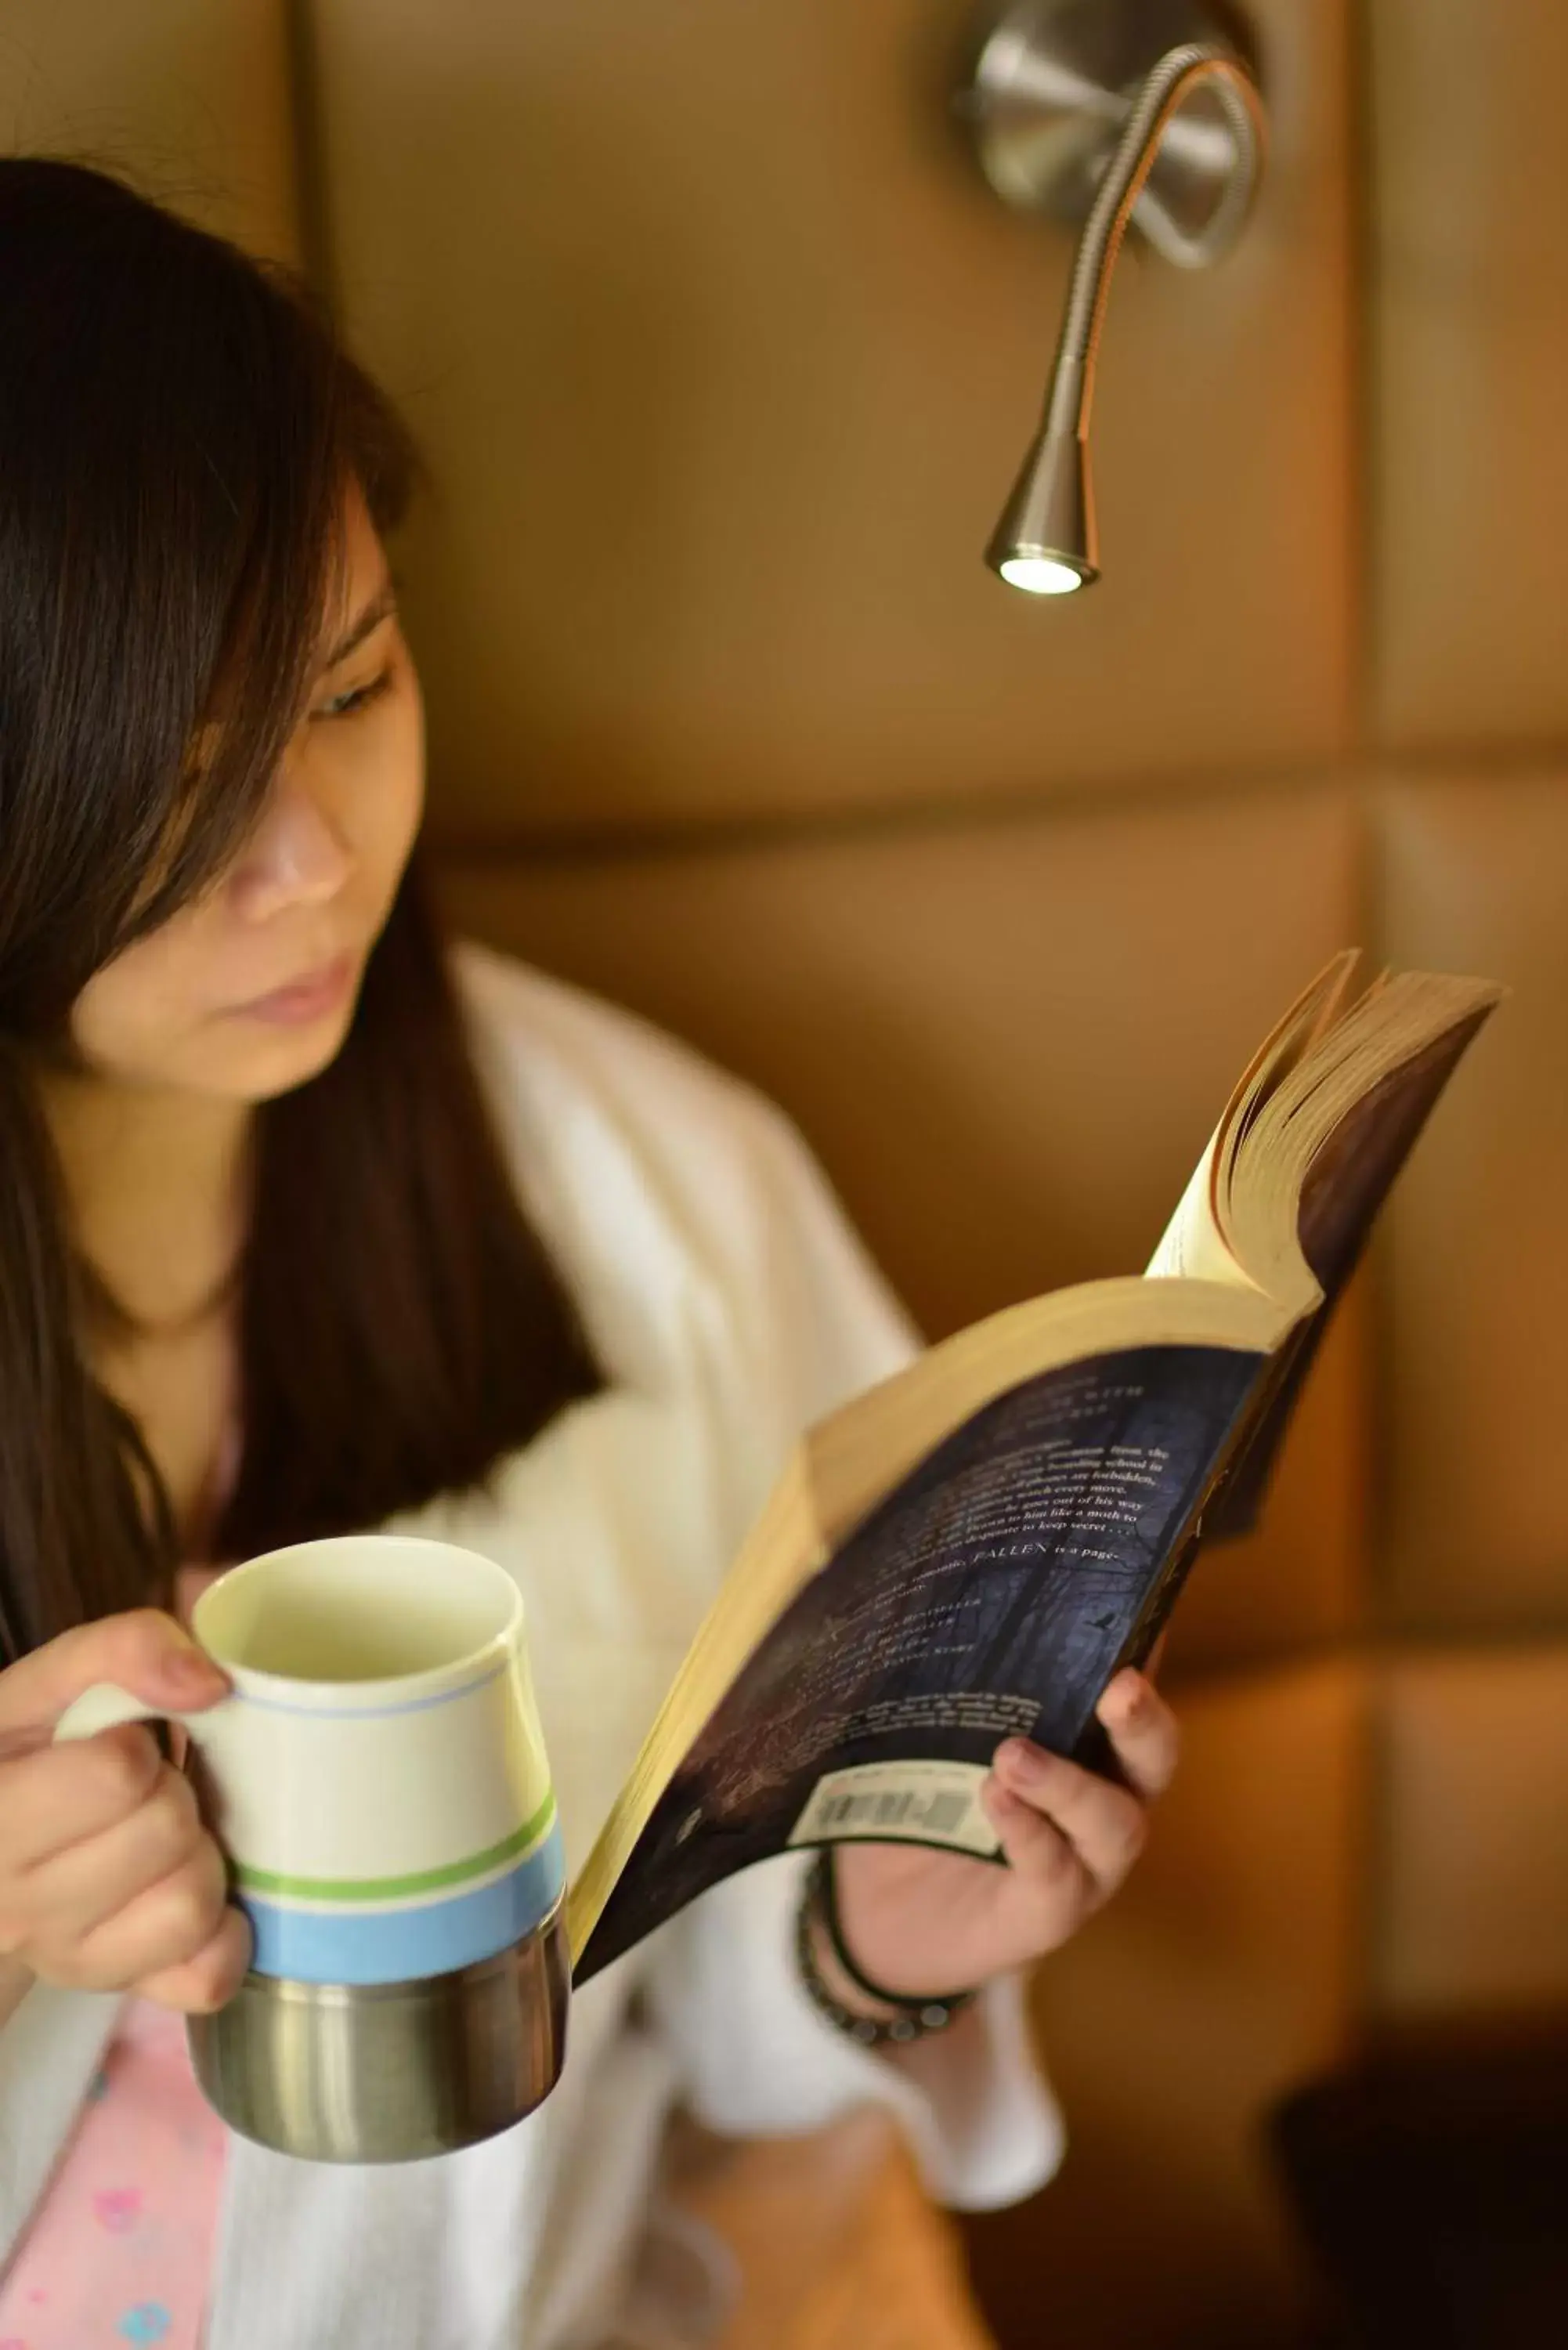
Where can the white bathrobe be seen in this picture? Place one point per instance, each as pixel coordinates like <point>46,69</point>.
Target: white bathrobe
<point>730,1304</point>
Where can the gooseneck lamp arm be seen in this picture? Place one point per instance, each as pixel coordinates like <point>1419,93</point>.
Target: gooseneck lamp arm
<point>1046,541</point>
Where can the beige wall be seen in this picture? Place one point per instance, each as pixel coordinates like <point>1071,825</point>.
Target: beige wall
<point>724,361</point>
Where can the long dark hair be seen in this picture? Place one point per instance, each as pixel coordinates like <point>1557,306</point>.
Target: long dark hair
<point>178,428</point>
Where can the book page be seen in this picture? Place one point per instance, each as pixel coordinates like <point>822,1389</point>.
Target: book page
<point>1352,1173</point>
<point>1345,1185</point>
<point>1195,1246</point>
<point>991,1594</point>
<point>1192,1247</point>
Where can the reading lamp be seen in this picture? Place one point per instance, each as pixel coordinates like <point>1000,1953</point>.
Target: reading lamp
<point>1135,110</point>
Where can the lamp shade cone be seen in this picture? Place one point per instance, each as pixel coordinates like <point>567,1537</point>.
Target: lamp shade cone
<point>1045,541</point>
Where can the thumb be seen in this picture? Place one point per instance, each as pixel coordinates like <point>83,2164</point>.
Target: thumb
<point>146,1653</point>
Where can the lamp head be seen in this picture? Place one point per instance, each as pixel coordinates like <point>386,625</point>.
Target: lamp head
<point>1045,541</point>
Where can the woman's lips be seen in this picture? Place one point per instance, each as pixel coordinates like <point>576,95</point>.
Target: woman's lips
<point>303,1001</point>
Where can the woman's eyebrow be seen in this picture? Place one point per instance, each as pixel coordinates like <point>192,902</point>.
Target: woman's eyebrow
<point>381,604</point>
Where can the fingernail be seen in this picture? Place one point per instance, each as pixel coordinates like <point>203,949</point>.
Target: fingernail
<point>1026,1763</point>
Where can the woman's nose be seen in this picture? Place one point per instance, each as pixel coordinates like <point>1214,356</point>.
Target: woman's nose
<point>296,857</point>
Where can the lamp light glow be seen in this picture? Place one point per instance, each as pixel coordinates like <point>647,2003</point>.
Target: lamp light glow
<point>1040,574</point>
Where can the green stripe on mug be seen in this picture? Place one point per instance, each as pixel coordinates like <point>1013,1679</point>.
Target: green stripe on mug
<point>400,1888</point>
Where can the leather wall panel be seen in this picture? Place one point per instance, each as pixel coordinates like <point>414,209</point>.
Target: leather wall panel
<point>726,361</point>
<point>1475,1503</point>
<point>1472,1909</point>
<point>1468,324</point>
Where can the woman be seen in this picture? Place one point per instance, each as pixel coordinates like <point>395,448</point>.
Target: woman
<point>306,1225</point>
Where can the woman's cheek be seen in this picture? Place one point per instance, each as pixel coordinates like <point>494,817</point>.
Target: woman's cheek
<point>189,1582</point>
<point>397,803</point>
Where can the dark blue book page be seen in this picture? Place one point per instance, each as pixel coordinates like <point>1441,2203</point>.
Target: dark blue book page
<point>991,1594</point>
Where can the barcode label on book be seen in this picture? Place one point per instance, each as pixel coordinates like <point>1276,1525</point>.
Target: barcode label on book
<point>926,1802</point>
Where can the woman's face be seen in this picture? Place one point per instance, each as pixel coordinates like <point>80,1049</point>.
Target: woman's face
<point>250,990</point>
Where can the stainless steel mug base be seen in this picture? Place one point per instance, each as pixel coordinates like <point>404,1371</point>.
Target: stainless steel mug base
<point>391,2072</point>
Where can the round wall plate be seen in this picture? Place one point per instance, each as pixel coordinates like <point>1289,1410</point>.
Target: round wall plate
<point>1049,85</point>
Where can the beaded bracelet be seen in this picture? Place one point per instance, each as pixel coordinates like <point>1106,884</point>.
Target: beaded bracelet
<point>915,2017</point>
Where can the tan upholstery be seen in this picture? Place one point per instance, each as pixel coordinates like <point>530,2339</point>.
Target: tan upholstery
<point>1468,269</point>
<point>1473,1888</point>
<point>723,361</point>
<point>1476,876</point>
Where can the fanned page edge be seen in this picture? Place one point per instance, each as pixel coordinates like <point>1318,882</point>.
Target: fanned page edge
<point>1387,1030</point>
<point>1195,1244</point>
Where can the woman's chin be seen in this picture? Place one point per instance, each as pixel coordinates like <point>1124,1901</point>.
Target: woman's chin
<point>260,1069</point>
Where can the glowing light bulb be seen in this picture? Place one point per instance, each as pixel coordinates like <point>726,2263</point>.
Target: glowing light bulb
<point>1040,575</point>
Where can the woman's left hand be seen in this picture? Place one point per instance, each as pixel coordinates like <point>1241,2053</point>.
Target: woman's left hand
<point>916,1921</point>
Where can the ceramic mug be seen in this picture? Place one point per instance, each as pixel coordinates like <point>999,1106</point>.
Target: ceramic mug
<point>378,1783</point>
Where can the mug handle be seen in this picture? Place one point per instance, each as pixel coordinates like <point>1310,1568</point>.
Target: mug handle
<point>105,1706</point>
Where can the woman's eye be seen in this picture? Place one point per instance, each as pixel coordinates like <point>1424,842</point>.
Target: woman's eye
<point>356,697</point>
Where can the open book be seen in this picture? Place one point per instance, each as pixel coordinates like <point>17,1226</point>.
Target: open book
<point>970,1550</point>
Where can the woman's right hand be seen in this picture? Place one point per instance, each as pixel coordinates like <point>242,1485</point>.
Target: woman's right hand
<point>109,1881</point>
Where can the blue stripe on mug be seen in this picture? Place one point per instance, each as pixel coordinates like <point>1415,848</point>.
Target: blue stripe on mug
<point>404,1945</point>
